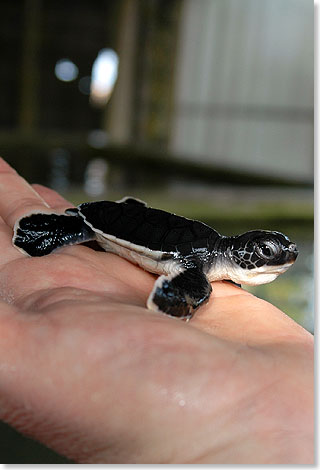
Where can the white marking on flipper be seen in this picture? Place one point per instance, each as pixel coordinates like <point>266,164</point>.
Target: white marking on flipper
<point>150,303</point>
<point>158,284</point>
<point>180,294</point>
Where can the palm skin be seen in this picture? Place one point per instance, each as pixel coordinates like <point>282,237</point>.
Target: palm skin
<point>89,371</point>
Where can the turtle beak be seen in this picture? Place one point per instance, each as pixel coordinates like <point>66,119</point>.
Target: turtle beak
<point>292,253</point>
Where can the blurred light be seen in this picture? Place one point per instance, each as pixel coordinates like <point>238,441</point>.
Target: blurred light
<point>66,70</point>
<point>84,85</point>
<point>104,76</point>
<point>97,138</point>
<point>95,177</point>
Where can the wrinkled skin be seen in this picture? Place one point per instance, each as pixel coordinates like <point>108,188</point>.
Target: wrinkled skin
<point>86,369</point>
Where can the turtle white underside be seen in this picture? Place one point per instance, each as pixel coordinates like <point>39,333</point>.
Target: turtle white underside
<point>150,260</point>
<point>224,269</point>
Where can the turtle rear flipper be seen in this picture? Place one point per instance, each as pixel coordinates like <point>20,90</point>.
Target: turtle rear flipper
<point>180,296</point>
<point>40,234</point>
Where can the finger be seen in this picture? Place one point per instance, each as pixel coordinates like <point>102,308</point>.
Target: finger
<point>238,316</point>
<point>48,196</point>
<point>17,197</point>
<point>51,197</point>
<point>8,251</point>
<point>5,239</point>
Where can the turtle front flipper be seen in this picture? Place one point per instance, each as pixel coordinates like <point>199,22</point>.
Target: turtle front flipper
<point>40,234</point>
<point>180,295</point>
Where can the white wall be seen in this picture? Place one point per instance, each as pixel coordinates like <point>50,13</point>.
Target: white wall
<point>244,85</point>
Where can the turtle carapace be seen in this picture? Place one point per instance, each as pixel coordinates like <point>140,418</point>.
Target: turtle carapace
<point>187,254</point>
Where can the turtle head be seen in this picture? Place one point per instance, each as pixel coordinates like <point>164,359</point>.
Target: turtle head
<point>259,256</point>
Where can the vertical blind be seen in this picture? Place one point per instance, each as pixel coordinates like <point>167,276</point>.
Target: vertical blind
<point>244,85</point>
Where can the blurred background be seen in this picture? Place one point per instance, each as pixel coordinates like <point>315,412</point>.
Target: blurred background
<point>199,107</point>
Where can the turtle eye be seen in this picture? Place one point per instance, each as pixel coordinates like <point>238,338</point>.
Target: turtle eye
<point>267,250</point>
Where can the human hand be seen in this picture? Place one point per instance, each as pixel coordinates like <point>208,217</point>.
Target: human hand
<point>86,369</point>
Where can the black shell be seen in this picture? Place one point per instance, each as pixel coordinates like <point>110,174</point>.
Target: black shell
<point>147,227</point>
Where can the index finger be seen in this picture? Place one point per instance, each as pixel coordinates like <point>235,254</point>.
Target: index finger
<point>17,197</point>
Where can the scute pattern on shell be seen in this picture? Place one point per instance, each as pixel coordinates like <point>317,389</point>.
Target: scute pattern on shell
<point>151,228</point>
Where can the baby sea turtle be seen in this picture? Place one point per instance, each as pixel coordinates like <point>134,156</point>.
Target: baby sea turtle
<point>187,254</point>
